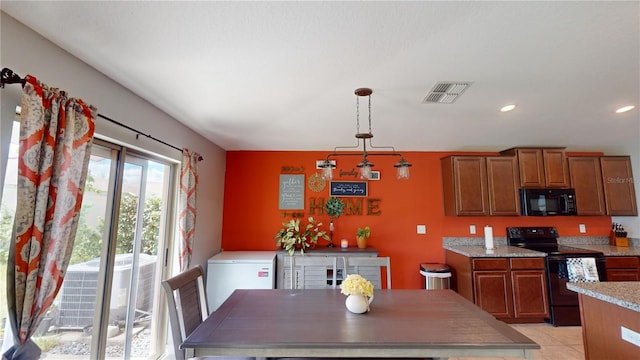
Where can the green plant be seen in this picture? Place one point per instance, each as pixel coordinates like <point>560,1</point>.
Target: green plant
<point>364,233</point>
<point>294,236</point>
<point>334,207</point>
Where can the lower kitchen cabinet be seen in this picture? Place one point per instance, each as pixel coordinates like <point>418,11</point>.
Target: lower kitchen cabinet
<point>623,268</point>
<point>491,292</point>
<point>529,286</point>
<point>511,289</point>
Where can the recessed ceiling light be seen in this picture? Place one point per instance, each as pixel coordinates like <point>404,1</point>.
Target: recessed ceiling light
<point>508,108</point>
<point>625,109</point>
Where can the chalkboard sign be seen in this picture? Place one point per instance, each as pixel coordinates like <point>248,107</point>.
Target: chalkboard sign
<point>349,188</point>
<point>291,195</point>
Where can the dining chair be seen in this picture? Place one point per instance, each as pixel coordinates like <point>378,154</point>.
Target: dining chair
<point>314,272</point>
<point>370,268</point>
<point>187,303</point>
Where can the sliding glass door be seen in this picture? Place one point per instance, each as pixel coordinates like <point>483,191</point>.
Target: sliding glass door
<point>109,304</point>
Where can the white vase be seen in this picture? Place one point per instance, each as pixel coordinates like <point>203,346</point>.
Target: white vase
<point>358,303</point>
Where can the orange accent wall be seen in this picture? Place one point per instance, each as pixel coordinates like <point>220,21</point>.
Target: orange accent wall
<point>251,217</point>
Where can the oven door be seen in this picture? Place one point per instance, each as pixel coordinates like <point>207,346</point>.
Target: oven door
<point>558,277</point>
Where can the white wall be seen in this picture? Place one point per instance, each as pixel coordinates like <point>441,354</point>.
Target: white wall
<point>26,52</point>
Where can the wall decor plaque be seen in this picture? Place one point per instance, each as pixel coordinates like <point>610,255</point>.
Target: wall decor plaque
<point>349,188</point>
<point>316,182</point>
<point>291,194</point>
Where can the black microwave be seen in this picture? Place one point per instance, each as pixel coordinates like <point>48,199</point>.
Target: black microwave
<point>546,202</point>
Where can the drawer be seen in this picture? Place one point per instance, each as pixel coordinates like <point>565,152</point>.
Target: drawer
<point>623,262</point>
<point>527,263</point>
<point>490,264</point>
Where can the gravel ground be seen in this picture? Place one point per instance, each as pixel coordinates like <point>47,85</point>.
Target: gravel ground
<point>81,348</point>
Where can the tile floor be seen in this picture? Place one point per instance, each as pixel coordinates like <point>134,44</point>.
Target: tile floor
<point>562,342</point>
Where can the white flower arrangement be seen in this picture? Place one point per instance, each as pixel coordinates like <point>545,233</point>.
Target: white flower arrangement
<point>356,284</point>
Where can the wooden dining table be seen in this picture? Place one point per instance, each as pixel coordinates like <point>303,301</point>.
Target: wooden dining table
<point>316,323</point>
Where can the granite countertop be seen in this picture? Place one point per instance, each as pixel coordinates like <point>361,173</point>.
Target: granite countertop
<point>609,250</point>
<point>500,251</point>
<point>622,293</point>
<point>474,247</point>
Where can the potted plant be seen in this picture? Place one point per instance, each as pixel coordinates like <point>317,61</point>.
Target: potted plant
<point>334,208</point>
<point>294,236</point>
<point>362,236</point>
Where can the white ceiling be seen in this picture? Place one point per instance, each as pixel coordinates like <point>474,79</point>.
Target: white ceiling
<point>281,75</point>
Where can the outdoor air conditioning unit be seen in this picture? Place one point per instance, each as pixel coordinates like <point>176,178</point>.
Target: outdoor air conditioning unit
<point>77,299</point>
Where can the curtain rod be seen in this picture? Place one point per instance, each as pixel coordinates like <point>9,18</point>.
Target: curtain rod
<point>9,77</point>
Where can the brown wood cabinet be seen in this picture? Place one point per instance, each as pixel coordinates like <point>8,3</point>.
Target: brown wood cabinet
<point>491,292</point>
<point>480,186</point>
<point>586,179</point>
<point>511,289</point>
<point>503,183</point>
<point>529,286</point>
<point>623,268</point>
<point>602,324</point>
<point>464,185</point>
<point>489,185</point>
<point>491,286</point>
<point>619,190</point>
<point>541,167</point>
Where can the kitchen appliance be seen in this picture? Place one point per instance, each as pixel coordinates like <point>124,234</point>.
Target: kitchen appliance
<point>563,303</point>
<point>545,202</point>
<point>231,270</point>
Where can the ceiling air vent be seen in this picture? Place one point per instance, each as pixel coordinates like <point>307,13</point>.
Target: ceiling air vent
<point>446,92</point>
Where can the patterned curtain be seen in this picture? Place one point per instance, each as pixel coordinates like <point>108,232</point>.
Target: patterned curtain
<point>56,133</point>
<point>187,205</point>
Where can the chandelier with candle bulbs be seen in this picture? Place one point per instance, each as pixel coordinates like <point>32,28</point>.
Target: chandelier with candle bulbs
<point>365,165</point>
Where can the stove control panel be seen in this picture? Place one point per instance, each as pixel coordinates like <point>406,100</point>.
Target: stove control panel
<point>531,232</point>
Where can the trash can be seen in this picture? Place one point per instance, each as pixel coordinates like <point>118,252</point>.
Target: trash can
<point>436,276</point>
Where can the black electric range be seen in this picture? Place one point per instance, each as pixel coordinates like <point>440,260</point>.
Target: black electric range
<point>563,303</point>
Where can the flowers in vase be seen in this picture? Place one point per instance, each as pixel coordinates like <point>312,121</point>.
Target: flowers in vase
<point>356,284</point>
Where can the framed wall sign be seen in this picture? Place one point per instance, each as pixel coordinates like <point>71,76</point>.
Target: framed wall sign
<point>291,194</point>
<point>349,188</point>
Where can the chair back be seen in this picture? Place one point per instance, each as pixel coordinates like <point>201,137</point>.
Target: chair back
<point>187,304</point>
<point>313,272</point>
<point>369,268</point>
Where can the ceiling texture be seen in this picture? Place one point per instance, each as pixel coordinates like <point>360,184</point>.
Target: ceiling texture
<point>281,75</point>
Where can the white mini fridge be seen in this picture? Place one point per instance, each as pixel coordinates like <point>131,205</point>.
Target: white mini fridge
<point>231,270</point>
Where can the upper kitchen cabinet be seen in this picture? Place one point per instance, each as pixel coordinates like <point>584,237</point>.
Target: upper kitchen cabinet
<point>541,167</point>
<point>586,179</point>
<point>502,183</point>
<point>464,185</point>
<point>479,186</point>
<point>619,191</point>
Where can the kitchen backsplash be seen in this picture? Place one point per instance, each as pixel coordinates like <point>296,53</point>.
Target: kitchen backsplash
<point>563,240</point>
<point>469,241</point>
<point>583,240</point>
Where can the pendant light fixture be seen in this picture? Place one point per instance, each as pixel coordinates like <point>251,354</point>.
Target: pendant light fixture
<point>365,165</point>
